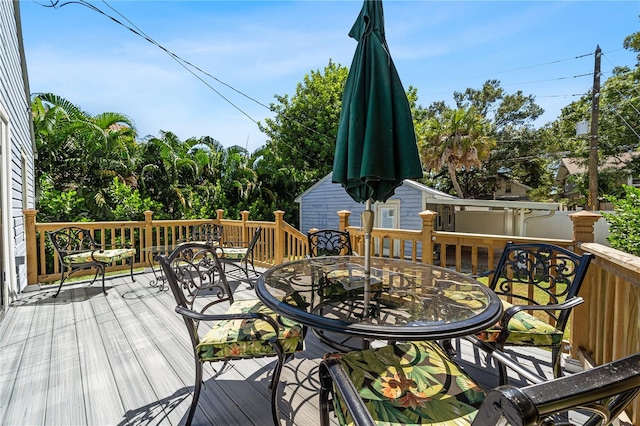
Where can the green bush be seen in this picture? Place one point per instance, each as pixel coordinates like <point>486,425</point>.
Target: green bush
<point>624,223</point>
<point>59,206</point>
<point>127,204</point>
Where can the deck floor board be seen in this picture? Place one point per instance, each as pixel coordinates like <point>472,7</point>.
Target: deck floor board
<point>125,358</point>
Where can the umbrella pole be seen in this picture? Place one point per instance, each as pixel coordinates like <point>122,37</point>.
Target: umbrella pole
<point>367,221</point>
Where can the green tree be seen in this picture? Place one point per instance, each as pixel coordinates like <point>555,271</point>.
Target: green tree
<point>456,139</point>
<point>303,132</point>
<point>624,223</point>
<point>165,171</point>
<point>520,147</point>
<point>81,152</point>
<point>518,144</point>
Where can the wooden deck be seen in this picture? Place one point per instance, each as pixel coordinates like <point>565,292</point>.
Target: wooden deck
<point>125,359</point>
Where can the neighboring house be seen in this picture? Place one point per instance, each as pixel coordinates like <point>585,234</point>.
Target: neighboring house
<point>509,189</point>
<point>320,203</point>
<point>572,167</point>
<point>319,206</point>
<point>17,152</point>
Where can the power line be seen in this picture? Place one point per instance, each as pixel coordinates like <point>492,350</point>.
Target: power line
<point>532,66</point>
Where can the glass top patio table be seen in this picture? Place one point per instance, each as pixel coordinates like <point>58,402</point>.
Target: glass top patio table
<point>406,300</point>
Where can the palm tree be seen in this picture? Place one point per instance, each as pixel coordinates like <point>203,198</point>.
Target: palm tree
<point>457,139</point>
<point>165,170</point>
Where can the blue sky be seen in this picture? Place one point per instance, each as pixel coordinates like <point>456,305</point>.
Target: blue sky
<point>265,48</point>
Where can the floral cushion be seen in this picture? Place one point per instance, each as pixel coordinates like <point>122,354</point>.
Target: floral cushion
<point>104,256</point>
<point>410,383</point>
<point>247,338</point>
<point>233,253</point>
<point>524,330</point>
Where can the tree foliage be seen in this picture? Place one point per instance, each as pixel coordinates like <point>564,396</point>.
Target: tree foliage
<point>624,223</point>
<point>303,132</point>
<point>457,139</point>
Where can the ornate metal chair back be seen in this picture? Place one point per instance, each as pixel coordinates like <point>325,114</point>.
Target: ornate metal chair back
<point>539,274</point>
<point>329,242</point>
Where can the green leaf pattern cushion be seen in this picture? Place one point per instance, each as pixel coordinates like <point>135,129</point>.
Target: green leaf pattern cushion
<point>410,383</point>
<point>524,330</point>
<point>104,256</point>
<point>232,253</point>
<point>247,338</point>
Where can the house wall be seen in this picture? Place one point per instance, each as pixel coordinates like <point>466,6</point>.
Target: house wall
<point>17,152</point>
<point>508,189</point>
<point>319,207</point>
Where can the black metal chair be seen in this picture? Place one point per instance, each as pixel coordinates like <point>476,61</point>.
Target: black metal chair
<point>77,250</point>
<point>245,329</point>
<point>539,286</point>
<point>417,384</point>
<point>329,242</point>
<point>210,233</point>
<point>239,255</point>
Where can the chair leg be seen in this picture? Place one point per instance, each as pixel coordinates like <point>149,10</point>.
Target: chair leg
<point>325,392</point>
<point>556,362</point>
<point>95,276</point>
<point>246,272</point>
<point>103,272</point>
<point>275,380</point>
<point>130,260</point>
<point>196,393</point>
<point>502,372</point>
<point>62,278</point>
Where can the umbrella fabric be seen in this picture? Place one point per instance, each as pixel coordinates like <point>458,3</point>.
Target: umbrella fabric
<point>376,145</point>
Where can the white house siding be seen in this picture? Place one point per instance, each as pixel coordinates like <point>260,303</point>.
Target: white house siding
<point>15,112</point>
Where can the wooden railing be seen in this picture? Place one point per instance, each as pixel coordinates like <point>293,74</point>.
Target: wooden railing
<point>470,253</point>
<point>606,327</point>
<point>278,241</point>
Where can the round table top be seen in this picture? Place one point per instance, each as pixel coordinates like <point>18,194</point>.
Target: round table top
<point>406,300</point>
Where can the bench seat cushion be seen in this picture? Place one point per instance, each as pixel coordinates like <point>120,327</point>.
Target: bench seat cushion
<point>232,253</point>
<point>247,338</point>
<point>103,256</point>
<point>410,383</point>
<point>524,330</point>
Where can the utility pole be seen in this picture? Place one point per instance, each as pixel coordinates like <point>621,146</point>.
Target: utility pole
<point>593,143</point>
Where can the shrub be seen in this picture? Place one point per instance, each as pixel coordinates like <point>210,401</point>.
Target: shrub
<point>624,223</point>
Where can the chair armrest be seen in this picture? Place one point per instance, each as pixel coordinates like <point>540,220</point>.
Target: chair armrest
<point>484,274</point>
<point>333,370</point>
<point>221,317</point>
<point>512,310</point>
<point>505,359</point>
<point>619,379</point>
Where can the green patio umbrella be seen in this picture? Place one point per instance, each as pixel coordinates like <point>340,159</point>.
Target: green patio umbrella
<point>376,145</point>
